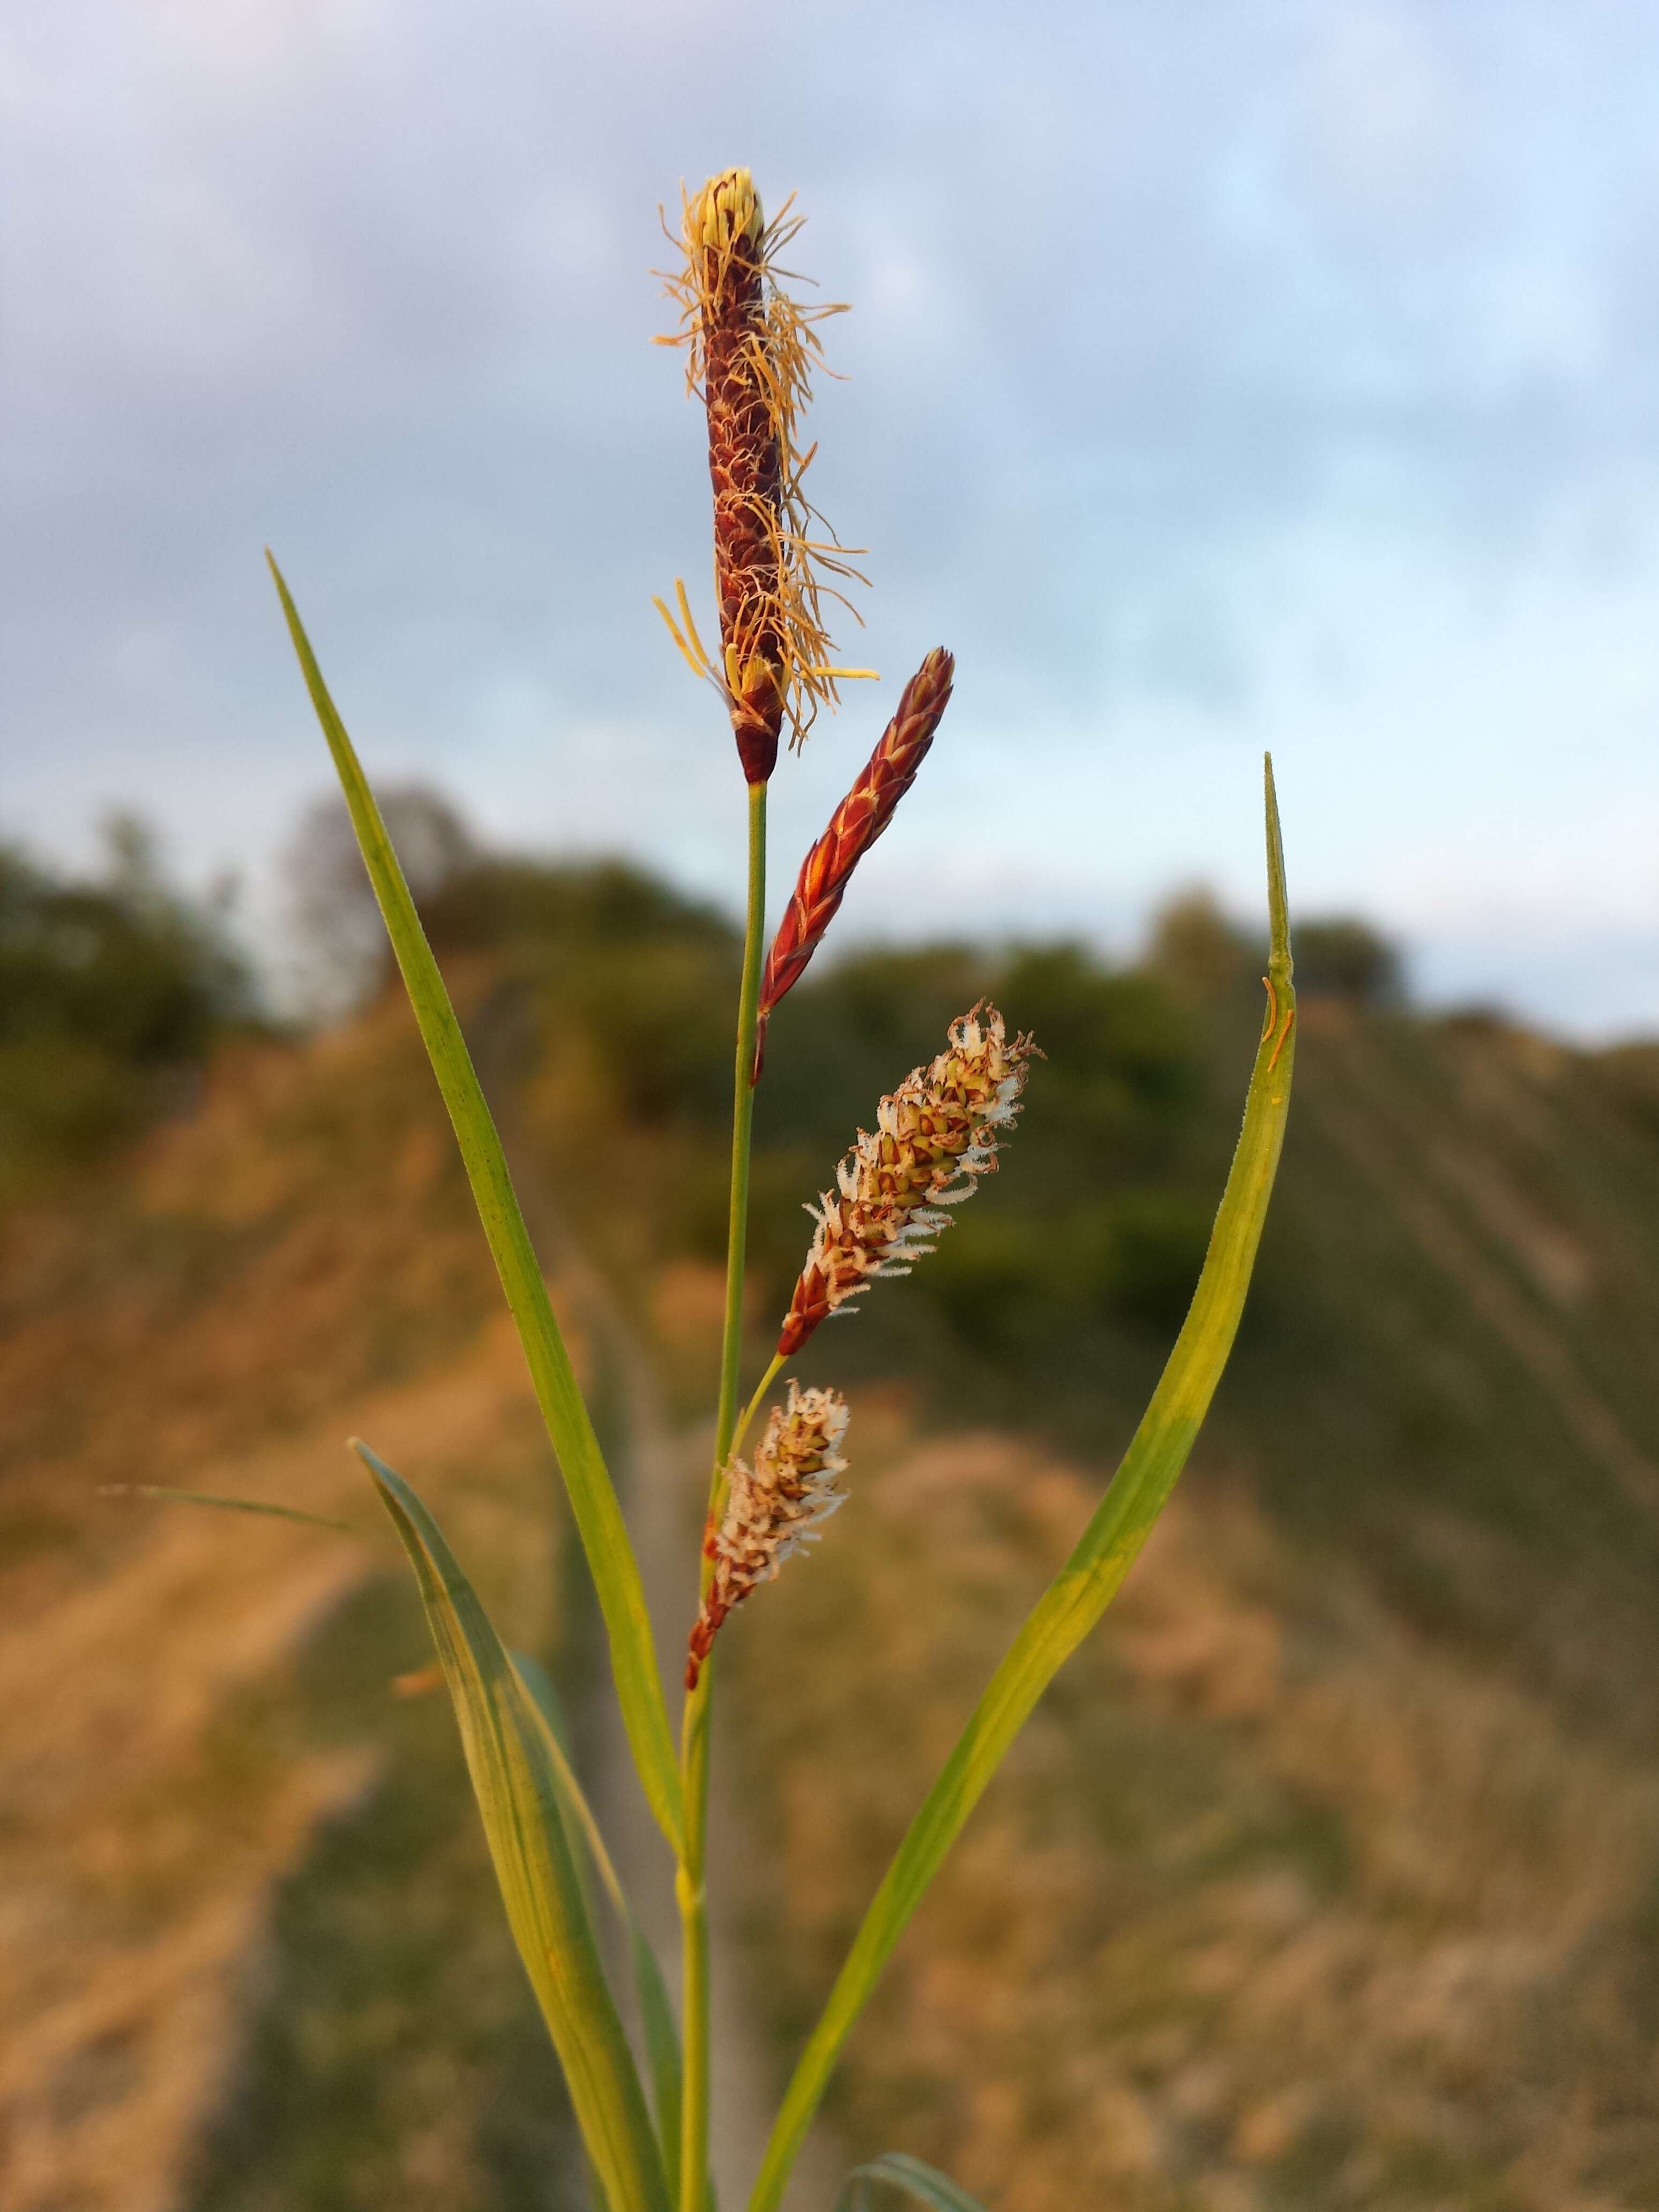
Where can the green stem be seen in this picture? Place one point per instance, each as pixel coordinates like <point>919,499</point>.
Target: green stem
<point>694,1737</point>
<point>692,1899</point>
<point>743,1116</point>
<point>754,1405</point>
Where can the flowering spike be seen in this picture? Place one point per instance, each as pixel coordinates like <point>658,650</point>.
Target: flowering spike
<point>933,1139</point>
<point>751,350</point>
<point>854,828</point>
<point>773,1509</point>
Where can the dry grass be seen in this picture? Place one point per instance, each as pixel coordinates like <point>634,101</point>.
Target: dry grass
<point>217,1322</point>
<point>1277,1905</point>
<point>1283,1902</point>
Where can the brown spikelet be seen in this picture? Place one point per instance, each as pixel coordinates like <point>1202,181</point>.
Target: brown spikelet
<point>772,1509</point>
<point>751,350</point>
<point>933,1139</point>
<point>854,828</point>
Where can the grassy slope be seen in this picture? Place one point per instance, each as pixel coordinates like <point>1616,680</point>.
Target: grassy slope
<point>1328,1873</point>
<point>228,1853</point>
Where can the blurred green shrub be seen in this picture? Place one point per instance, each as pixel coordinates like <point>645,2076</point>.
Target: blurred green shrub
<point>1014,1278</point>
<point>1140,1257</point>
<point>113,990</point>
<point>1345,958</point>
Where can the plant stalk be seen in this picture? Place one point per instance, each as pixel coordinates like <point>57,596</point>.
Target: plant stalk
<point>754,1405</point>
<point>1085,1585</point>
<point>694,1737</point>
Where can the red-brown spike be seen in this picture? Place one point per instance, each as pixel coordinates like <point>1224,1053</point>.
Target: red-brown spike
<point>854,828</point>
<point>752,349</point>
<point>745,464</point>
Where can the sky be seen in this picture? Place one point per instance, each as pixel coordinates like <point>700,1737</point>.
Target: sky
<point>1220,377</point>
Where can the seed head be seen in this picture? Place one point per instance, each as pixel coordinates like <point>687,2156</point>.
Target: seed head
<point>854,828</point>
<point>933,1139</point>
<point>751,349</point>
<point>773,1508</point>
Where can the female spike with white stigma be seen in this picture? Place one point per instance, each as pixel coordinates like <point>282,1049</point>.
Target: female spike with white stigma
<point>772,1509</point>
<point>751,349</point>
<point>933,1139</point>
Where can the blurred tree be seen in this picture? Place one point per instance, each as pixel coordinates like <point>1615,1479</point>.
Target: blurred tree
<point>112,992</point>
<point>1342,958</point>
<point>341,957</point>
<point>1197,952</point>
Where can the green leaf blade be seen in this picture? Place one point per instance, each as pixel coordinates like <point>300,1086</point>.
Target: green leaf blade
<point>662,2051</point>
<point>923,2183</point>
<point>661,2031</point>
<point>593,1497</point>
<point>1080,1593</point>
<point>262,1507</point>
<point>518,1798</point>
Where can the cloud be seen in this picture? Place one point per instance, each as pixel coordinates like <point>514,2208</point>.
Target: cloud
<point>1222,376</point>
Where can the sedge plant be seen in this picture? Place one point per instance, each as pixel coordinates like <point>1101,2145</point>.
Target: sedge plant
<point>779,573</point>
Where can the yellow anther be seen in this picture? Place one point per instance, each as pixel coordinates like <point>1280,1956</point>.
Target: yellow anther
<point>697,646</point>
<point>727,206</point>
<point>691,651</point>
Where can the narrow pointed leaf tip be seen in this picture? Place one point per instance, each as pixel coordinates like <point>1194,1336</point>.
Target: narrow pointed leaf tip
<point>592,1496</point>
<point>1279,919</point>
<point>519,1794</point>
<point>912,2178</point>
<point>260,1506</point>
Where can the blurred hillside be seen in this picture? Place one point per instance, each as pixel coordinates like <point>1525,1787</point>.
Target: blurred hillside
<point>112,991</point>
<point>1329,1874</point>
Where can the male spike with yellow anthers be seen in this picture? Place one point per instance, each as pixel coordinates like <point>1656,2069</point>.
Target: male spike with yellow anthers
<point>751,350</point>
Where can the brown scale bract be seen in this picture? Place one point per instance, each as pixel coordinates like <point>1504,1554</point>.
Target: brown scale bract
<point>854,828</point>
<point>772,1508</point>
<point>933,1139</point>
<point>751,350</point>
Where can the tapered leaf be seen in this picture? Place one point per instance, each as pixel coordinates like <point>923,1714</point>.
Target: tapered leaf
<point>662,2039</point>
<point>925,2183</point>
<point>518,1794</point>
<point>1080,1593</point>
<point>593,1497</point>
<point>259,1505</point>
